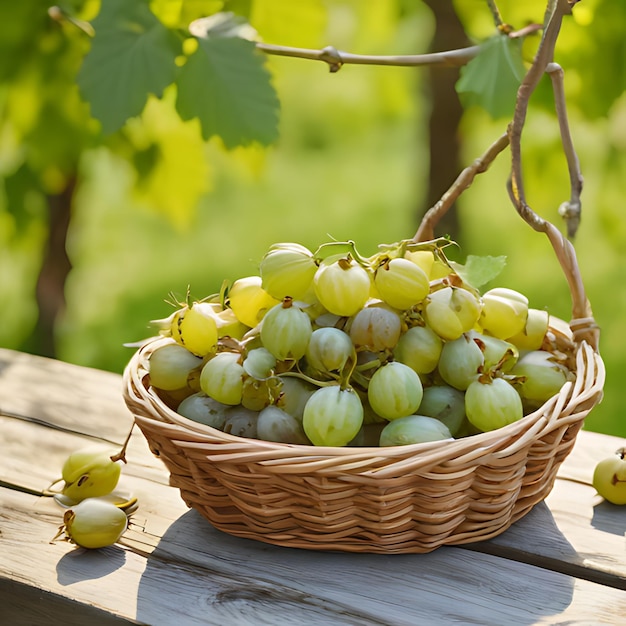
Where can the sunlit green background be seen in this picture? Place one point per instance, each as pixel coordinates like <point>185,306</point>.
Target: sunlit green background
<point>351,163</point>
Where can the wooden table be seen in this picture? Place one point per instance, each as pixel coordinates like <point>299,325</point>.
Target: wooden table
<point>564,563</point>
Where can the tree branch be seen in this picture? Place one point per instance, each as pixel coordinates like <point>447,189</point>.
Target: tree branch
<point>426,230</point>
<point>570,210</point>
<point>495,12</point>
<point>336,59</point>
<point>582,323</point>
<point>542,59</point>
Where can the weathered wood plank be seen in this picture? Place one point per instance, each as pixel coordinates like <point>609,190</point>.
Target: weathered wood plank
<point>80,399</point>
<point>173,558</point>
<point>197,575</point>
<point>25,605</point>
<point>561,537</point>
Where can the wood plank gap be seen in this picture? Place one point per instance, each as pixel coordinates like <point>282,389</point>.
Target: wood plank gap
<point>548,563</point>
<point>25,604</point>
<point>62,429</point>
<point>20,488</point>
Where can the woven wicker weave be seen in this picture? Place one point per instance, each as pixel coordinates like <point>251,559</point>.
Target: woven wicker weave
<point>389,500</point>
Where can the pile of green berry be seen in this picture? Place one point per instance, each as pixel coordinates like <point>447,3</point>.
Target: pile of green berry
<point>330,348</point>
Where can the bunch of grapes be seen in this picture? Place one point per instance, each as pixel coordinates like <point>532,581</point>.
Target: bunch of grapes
<point>333,349</point>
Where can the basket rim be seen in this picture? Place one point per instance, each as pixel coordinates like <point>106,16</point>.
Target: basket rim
<point>564,406</point>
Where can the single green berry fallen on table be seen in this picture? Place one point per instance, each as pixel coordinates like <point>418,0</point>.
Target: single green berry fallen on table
<point>90,472</point>
<point>609,477</point>
<point>93,523</point>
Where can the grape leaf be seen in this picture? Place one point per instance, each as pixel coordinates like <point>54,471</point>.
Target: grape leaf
<point>479,270</point>
<point>225,84</point>
<point>132,56</point>
<point>492,78</point>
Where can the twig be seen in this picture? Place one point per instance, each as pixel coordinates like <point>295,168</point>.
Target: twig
<point>61,15</point>
<point>495,12</point>
<point>570,210</point>
<point>426,230</point>
<point>529,83</point>
<point>582,317</point>
<point>336,59</point>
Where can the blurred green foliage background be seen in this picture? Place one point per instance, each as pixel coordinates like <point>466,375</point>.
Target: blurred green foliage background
<point>351,163</point>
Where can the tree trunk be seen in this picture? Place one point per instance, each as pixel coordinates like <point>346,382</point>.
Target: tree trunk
<point>445,116</point>
<point>55,268</point>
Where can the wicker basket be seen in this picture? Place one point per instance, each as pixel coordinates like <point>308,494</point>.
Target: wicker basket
<point>400,499</point>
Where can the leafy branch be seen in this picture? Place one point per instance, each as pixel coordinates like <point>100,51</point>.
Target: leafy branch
<point>223,82</point>
<point>336,59</point>
<point>583,324</point>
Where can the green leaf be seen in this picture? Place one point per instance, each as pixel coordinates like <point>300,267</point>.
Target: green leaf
<point>132,56</point>
<point>479,270</point>
<point>225,84</point>
<point>492,78</point>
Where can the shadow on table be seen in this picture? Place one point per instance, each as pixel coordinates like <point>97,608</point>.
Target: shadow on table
<point>214,578</point>
<point>80,564</point>
<point>609,518</point>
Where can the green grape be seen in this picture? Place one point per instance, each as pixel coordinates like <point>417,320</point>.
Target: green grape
<point>259,363</point>
<point>274,424</point>
<point>451,311</point>
<point>401,283</point>
<point>249,301</point>
<point>200,408</point>
<point>543,376</point>
<point>294,394</point>
<point>376,328</point>
<point>257,394</point>
<point>394,391</point>
<point>496,352</point>
<point>332,416</point>
<point>432,266</point>
<point>241,422</point>
<point>534,332</point>
<point>492,404</point>
<point>342,287</point>
<point>89,473</point>
<point>369,415</point>
<point>424,259</point>
<point>222,378</point>
<point>287,269</point>
<point>94,523</point>
<point>171,366</point>
<point>226,321</point>
<point>329,350</point>
<point>419,348</point>
<point>413,429</point>
<point>461,362</point>
<point>368,435</point>
<point>286,331</point>
<point>446,404</point>
<point>194,327</point>
<point>504,312</point>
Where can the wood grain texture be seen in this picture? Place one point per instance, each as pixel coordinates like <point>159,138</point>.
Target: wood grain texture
<point>563,563</point>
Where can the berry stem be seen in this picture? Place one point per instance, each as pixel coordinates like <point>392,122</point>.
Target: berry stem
<point>121,455</point>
